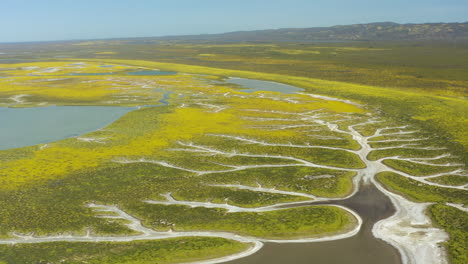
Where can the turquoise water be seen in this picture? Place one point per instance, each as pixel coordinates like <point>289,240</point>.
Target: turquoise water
<point>163,101</point>
<point>166,97</point>
<point>136,73</point>
<point>15,60</point>
<point>148,73</point>
<point>251,86</point>
<point>92,74</point>
<point>22,127</point>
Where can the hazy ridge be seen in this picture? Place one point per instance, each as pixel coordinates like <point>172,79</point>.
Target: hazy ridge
<point>360,32</point>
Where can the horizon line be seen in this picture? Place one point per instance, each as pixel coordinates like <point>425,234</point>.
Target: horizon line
<point>225,32</point>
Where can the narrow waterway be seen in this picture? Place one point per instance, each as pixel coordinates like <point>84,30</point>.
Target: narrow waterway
<point>363,248</point>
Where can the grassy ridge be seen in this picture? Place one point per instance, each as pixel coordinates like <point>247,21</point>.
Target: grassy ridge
<point>283,224</point>
<point>165,251</point>
<point>421,192</point>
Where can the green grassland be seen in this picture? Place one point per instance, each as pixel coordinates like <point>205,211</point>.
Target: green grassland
<point>426,79</point>
<point>44,188</point>
<point>440,114</point>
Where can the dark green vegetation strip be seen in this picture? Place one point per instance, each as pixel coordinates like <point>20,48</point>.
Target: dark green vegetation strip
<point>455,222</point>
<point>427,65</point>
<point>421,192</point>
<point>176,250</point>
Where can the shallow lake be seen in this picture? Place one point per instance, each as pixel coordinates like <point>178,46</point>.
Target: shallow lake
<point>251,86</point>
<point>135,73</point>
<point>20,127</point>
<point>149,73</point>
<point>91,74</point>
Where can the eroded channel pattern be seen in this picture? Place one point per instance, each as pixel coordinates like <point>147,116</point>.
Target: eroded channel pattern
<point>358,144</point>
<point>409,230</point>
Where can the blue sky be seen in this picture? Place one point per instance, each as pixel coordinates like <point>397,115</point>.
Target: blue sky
<point>38,20</point>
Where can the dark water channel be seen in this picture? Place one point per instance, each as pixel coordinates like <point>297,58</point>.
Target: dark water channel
<point>363,248</point>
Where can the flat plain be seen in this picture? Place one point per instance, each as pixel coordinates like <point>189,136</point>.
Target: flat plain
<point>203,170</point>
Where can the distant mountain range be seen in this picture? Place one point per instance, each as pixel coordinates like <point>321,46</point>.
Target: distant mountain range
<point>360,32</point>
